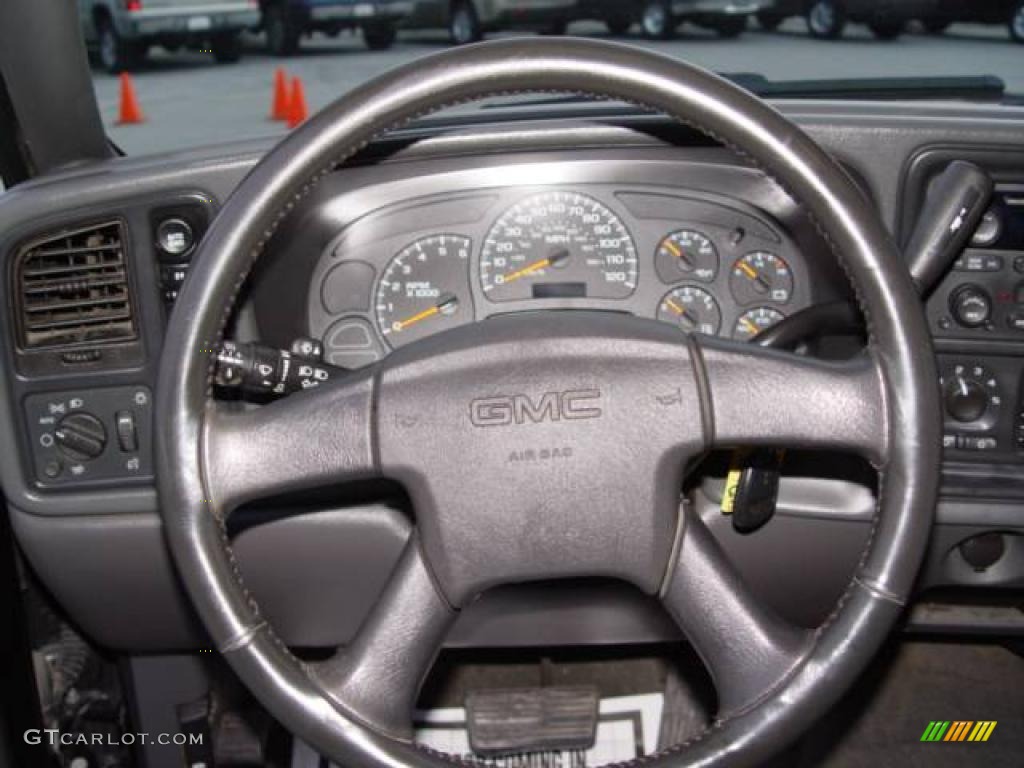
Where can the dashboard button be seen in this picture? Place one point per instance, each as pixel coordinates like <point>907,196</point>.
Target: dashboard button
<point>174,237</point>
<point>971,306</point>
<point>80,436</point>
<point>127,435</point>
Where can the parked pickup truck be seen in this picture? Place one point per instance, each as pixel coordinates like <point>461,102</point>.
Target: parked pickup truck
<point>121,31</point>
<point>827,19</point>
<point>659,19</point>
<point>285,21</point>
<point>1008,12</point>
<point>469,20</point>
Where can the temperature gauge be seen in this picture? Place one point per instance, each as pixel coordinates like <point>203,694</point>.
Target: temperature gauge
<point>692,309</point>
<point>761,276</point>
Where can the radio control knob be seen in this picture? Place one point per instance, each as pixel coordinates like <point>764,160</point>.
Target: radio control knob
<point>80,436</point>
<point>971,306</point>
<point>966,399</point>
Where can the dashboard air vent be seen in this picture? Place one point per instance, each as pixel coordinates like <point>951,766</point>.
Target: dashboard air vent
<point>73,289</point>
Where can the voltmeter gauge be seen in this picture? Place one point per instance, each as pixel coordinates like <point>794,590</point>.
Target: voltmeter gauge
<point>692,309</point>
<point>686,255</point>
<point>425,289</point>
<point>751,323</point>
<point>761,277</point>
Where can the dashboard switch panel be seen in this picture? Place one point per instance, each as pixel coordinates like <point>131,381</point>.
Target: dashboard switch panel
<point>90,435</point>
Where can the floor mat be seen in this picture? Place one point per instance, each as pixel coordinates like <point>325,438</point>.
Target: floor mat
<point>881,723</point>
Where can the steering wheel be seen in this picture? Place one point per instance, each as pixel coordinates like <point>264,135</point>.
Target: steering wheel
<point>612,408</point>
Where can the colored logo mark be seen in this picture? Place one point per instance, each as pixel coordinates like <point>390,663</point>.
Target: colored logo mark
<point>958,730</point>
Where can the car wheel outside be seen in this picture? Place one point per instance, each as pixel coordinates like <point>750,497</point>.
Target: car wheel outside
<point>464,25</point>
<point>826,19</point>
<point>116,54</point>
<point>657,20</point>
<point>379,36</point>
<point>282,33</point>
<point>226,47</point>
<point>1017,23</point>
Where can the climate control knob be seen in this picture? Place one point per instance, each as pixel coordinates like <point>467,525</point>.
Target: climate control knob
<point>971,306</point>
<point>80,436</point>
<point>966,399</point>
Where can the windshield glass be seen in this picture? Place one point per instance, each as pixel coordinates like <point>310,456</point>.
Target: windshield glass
<point>170,74</point>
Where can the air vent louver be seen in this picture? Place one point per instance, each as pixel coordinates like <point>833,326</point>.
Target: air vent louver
<point>73,289</point>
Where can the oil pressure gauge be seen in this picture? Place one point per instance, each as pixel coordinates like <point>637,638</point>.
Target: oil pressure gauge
<point>761,277</point>
<point>686,255</point>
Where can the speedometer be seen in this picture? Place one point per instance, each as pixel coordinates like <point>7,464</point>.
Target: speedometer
<point>558,245</point>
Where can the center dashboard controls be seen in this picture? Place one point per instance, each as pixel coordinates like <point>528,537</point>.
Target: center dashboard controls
<point>90,435</point>
<point>971,306</point>
<point>971,394</point>
<point>686,255</point>
<point>691,308</point>
<point>425,289</point>
<point>558,245</point>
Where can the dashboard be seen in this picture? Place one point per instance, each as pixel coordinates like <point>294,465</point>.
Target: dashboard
<point>452,223</point>
<point>705,263</point>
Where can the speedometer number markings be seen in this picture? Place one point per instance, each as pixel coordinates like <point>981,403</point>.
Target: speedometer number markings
<point>558,244</point>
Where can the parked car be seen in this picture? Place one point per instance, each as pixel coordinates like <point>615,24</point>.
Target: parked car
<point>659,19</point>
<point>286,21</point>
<point>468,21</point>
<point>1008,12</point>
<point>827,19</point>
<point>121,31</point>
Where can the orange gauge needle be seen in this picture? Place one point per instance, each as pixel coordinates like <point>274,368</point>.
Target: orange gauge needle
<point>446,306</point>
<point>673,248</point>
<point>550,261</point>
<point>675,307</point>
<point>751,327</point>
<point>749,270</point>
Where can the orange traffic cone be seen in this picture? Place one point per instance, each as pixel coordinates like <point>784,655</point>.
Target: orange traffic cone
<point>280,108</point>
<point>130,111</point>
<point>297,110</point>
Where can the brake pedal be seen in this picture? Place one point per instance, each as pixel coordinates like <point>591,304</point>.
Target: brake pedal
<point>532,719</point>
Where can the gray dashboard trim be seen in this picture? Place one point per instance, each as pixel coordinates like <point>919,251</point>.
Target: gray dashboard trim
<point>876,140</point>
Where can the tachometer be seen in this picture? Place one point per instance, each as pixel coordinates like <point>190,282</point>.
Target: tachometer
<point>558,245</point>
<point>425,289</point>
<point>692,309</point>
<point>761,276</point>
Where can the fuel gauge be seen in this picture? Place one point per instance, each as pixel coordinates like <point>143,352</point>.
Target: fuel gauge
<point>751,323</point>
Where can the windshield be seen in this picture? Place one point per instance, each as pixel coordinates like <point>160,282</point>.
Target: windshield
<point>169,75</point>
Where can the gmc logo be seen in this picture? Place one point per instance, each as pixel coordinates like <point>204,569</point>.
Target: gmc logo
<point>504,410</point>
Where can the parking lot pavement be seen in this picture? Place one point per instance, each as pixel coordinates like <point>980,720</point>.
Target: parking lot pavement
<point>188,100</point>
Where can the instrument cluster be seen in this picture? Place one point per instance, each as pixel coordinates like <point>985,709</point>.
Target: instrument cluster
<point>709,266</point>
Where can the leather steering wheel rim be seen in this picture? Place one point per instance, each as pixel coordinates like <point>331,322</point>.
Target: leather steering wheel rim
<point>900,349</point>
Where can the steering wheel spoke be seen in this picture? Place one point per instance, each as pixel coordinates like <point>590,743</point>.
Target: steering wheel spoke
<point>766,397</point>
<point>747,648</point>
<point>378,676</point>
<point>310,439</point>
